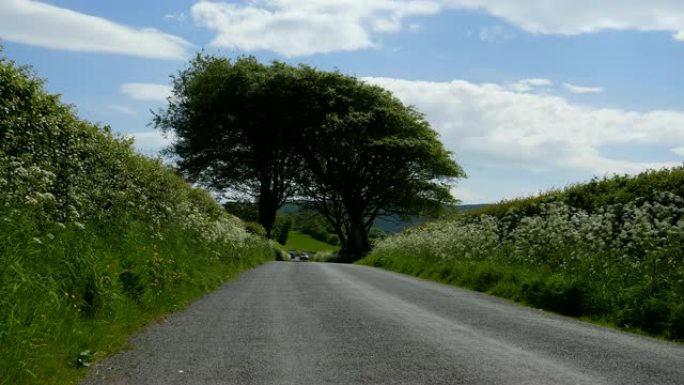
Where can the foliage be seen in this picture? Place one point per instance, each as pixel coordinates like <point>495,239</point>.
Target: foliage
<point>232,124</point>
<point>270,131</point>
<point>282,227</point>
<point>255,229</point>
<point>375,234</point>
<point>366,153</point>
<point>611,249</point>
<point>311,222</point>
<point>95,240</point>
<point>247,211</point>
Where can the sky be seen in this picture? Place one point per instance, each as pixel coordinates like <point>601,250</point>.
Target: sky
<point>529,95</point>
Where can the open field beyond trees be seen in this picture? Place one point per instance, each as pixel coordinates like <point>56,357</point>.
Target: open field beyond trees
<point>305,242</point>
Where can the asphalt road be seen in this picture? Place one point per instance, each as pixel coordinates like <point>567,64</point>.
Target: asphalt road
<point>314,323</point>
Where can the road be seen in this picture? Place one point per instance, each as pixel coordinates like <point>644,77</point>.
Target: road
<point>315,323</point>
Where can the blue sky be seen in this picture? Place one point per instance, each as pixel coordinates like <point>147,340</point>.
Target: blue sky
<point>529,95</point>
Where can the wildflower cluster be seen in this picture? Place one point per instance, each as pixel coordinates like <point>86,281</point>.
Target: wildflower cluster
<point>92,233</point>
<point>628,258</point>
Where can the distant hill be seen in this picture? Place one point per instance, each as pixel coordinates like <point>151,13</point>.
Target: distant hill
<point>466,208</point>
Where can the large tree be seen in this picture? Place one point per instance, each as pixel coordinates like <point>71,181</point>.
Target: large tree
<point>351,150</point>
<point>232,127</point>
<point>367,155</point>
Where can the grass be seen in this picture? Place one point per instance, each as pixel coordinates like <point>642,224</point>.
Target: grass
<point>539,288</point>
<point>610,251</point>
<point>304,242</point>
<point>95,239</point>
<point>87,291</point>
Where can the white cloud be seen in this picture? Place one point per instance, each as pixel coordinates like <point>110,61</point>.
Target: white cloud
<point>49,26</point>
<point>574,17</point>
<point>146,91</point>
<point>494,33</point>
<point>176,16</point>
<point>492,125</point>
<point>150,142</point>
<point>582,90</point>
<point>678,150</point>
<point>296,28</point>
<point>468,195</point>
<point>528,85</point>
<point>415,27</point>
<point>122,109</point>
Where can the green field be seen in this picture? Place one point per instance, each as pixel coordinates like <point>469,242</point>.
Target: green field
<point>299,241</point>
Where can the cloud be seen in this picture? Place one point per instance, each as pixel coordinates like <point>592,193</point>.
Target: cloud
<point>468,195</point>
<point>296,28</point>
<point>150,142</point>
<point>494,126</point>
<point>678,150</point>
<point>122,109</point>
<point>528,85</point>
<point>494,33</point>
<point>146,91</point>
<point>176,16</point>
<point>44,25</point>
<point>582,90</point>
<point>575,17</point>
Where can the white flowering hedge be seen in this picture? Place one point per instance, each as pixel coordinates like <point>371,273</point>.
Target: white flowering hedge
<point>624,260</point>
<point>94,238</point>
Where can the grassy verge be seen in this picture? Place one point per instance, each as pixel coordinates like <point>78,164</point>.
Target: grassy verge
<point>76,298</point>
<point>548,290</point>
<point>538,288</point>
<point>95,239</point>
<point>609,254</point>
<point>304,242</point>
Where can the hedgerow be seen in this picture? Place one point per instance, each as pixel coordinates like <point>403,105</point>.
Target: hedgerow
<point>95,239</point>
<point>611,249</point>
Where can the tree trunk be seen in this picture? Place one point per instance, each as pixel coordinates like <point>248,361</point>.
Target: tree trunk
<point>357,245</point>
<point>268,208</point>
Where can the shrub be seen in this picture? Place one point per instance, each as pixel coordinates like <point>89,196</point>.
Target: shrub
<point>255,229</point>
<point>612,249</point>
<point>95,239</point>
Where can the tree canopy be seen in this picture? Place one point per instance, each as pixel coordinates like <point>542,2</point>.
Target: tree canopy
<point>351,150</point>
<point>232,128</point>
<point>366,154</point>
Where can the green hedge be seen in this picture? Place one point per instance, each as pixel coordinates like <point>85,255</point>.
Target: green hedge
<point>95,239</point>
<point>611,250</point>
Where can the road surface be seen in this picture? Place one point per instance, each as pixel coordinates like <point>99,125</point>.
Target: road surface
<point>315,323</point>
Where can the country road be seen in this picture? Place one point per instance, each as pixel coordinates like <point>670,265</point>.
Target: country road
<point>315,323</point>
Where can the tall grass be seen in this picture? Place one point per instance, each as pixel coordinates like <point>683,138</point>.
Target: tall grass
<point>95,240</point>
<point>612,250</point>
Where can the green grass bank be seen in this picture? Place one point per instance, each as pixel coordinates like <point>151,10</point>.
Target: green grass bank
<point>305,242</point>
<point>611,250</point>
<point>95,240</point>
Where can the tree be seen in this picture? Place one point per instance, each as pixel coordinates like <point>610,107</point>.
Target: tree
<point>232,127</point>
<point>366,154</point>
<point>351,150</point>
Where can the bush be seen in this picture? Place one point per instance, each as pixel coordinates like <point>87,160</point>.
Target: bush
<point>281,228</point>
<point>612,249</point>
<point>255,229</point>
<point>95,239</point>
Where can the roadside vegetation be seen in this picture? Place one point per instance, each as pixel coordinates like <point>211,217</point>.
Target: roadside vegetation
<point>95,240</point>
<point>611,250</point>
